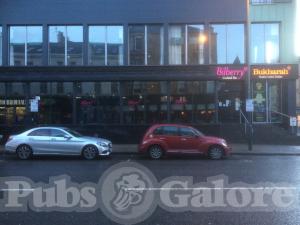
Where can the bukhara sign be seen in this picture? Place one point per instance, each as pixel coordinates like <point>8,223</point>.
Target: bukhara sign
<point>231,72</point>
<point>274,71</point>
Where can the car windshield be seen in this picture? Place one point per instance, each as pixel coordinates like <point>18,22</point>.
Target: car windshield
<point>198,132</point>
<point>74,133</point>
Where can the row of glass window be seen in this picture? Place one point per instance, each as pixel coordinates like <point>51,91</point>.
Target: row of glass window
<point>187,45</point>
<point>129,102</point>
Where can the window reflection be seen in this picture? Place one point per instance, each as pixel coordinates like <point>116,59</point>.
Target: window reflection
<point>55,105</point>
<point>155,45</point>
<point>74,45</point>
<point>156,102</point>
<point>29,37</point>
<point>86,105</point>
<point>227,44</point>
<point>137,45</point>
<point>17,39</point>
<point>146,45</point>
<point>97,45</point>
<point>176,45</point>
<point>65,45</point>
<point>108,99</point>
<point>34,46</point>
<point>192,101</point>
<point>115,48</point>
<point>265,43</point>
<point>57,40</point>
<point>196,43</point>
<point>133,101</point>
<point>106,45</point>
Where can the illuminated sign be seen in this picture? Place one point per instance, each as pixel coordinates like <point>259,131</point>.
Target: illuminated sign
<point>231,73</point>
<point>12,102</point>
<point>274,71</point>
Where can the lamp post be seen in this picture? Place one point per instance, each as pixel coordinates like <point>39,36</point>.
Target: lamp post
<point>248,62</point>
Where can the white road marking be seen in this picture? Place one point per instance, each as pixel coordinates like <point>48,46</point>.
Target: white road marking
<point>29,189</point>
<point>206,188</point>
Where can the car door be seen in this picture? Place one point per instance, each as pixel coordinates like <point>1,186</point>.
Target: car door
<point>189,140</point>
<point>39,140</point>
<point>63,143</point>
<point>170,136</point>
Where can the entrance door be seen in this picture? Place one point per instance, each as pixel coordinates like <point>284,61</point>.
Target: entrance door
<point>230,95</point>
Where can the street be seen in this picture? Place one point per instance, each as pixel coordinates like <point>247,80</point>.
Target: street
<point>248,169</point>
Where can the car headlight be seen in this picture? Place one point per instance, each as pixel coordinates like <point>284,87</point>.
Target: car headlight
<point>102,144</point>
<point>224,142</point>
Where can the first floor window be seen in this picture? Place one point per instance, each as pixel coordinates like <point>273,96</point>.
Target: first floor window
<point>186,44</point>
<point>25,45</point>
<point>265,43</point>
<point>106,45</point>
<point>227,44</point>
<point>65,45</point>
<point>146,45</point>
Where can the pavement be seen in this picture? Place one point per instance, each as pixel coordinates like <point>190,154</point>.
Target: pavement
<point>237,149</point>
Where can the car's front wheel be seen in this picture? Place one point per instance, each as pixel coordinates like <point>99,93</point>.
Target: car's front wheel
<point>24,152</point>
<point>215,152</point>
<point>155,152</point>
<point>89,152</point>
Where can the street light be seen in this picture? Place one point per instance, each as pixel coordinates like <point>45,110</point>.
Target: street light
<point>202,39</point>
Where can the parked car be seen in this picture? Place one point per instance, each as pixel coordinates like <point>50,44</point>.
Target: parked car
<point>164,139</point>
<point>56,141</point>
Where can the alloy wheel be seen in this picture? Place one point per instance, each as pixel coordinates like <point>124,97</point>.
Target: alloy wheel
<point>24,152</point>
<point>89,152</point>
<point>216,152</point>
<point>155,152</point>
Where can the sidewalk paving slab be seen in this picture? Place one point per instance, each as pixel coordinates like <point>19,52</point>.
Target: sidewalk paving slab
<point>237,149</point>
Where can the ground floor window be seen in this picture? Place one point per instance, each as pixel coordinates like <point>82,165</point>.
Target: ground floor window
<point>137,102</point>
<point>267,96</point>
<point>230,100</point>
<point>192,101</point>
<point>55,102</point>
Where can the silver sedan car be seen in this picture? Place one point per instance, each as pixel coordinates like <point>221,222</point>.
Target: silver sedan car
<point>56,141</point>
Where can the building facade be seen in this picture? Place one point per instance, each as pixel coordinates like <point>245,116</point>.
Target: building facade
<point>273,39</point>
<point>113,69</point>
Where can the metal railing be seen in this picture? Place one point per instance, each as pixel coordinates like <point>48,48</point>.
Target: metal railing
<point>248,129</point>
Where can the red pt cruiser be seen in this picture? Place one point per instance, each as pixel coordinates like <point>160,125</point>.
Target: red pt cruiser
<point>172,138</point>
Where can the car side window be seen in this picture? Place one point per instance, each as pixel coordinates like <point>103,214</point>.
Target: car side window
<point>187,132</point>
<point>170,131</point>
<point>57,133</point>
<point>39,133</point>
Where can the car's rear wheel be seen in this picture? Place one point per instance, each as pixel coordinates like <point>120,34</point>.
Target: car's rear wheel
<point>89,152</point>
<point>24,152</point>
<point>155,152</point>
<point>216,152</point>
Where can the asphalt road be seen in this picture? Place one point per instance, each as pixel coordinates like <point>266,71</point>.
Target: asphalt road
<point>249,169</point>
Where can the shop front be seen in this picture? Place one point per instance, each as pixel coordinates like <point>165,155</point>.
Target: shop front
<point>126,100</point>
<point>274,91</point>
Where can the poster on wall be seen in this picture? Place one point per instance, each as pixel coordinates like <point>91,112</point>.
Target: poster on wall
<point>259,101</point>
